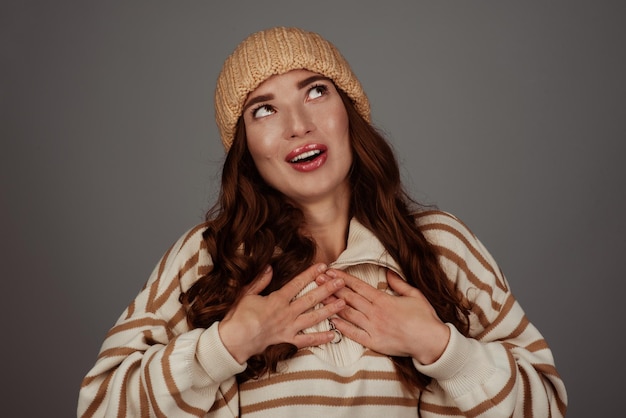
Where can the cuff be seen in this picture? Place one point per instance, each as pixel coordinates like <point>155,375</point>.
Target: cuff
<point>214,357</point>
<point>463,365</point>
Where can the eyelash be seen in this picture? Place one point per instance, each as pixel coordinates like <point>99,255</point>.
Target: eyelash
<point>322,87</point>
<point>323,90</point>
<point>259,107</point>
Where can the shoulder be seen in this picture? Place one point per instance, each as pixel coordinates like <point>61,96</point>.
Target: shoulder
<point>191,240</point>
<point>461,253</point>
<point>444,229</point>
<point>186,260</point>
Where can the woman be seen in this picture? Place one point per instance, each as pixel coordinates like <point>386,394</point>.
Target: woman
<point>316,287</point>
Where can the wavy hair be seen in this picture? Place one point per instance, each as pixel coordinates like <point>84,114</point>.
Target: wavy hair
<point>253,225</point>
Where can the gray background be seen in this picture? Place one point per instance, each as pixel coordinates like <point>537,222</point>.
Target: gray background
<point>510,115</point>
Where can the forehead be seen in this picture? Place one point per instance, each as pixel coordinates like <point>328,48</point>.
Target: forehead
<point>289,78</point>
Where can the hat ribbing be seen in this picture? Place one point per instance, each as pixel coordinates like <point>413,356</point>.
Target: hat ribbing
<point>277,51</point>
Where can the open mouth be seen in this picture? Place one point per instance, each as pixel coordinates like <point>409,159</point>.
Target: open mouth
<point>307,156</point>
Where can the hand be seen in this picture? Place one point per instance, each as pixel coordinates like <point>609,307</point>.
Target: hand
<point>402,325</point>
<point>257,322</point>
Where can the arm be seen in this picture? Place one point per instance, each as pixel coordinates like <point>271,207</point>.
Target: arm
<point>505,367</point>
<point>151,363</point>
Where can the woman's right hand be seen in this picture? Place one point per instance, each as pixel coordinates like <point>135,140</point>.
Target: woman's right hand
<point>257,322</point>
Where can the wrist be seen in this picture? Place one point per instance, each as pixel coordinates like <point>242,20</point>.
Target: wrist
<point>436,346</point>
<point>214,358</point>
<point>231,339</point>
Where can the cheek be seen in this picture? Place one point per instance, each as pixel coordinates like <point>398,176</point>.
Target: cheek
<point>265,155</point>
<point>263,140</point>
<point>337,119</point>
<point>258,144</point>
<point>262,151</point>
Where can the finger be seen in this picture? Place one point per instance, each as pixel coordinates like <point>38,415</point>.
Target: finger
<point>316,296</point>
<point>356,284</point>
<point>260,282</point>
<point>313,339</point>
<point>329,300</point>
<point>353,316</point>
<point>315,316</point>
<point>398,284</point>
<point>352,331</point>
<point>356,302</point>
<point>320,280</point>
<point>295,285</point>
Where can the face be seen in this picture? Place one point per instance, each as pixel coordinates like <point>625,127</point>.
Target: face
<point>297,133</point>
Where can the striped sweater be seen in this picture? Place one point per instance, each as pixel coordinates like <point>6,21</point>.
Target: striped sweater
<point>152,364</point>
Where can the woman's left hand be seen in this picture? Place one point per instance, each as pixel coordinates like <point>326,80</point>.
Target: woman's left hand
<point>402,325</point>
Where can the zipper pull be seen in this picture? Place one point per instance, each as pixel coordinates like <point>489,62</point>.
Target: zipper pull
<point>338,334</point>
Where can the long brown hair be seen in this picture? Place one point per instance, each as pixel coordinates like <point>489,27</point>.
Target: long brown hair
<point>253,225</point>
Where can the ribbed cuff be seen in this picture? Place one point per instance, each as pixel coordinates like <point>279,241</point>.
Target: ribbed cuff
<point>463,365</point>
<point>214,357</point>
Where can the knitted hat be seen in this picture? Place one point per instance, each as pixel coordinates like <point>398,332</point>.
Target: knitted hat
<point>277,51</point>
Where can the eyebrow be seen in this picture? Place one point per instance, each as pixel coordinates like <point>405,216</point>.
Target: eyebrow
<point>303,83</point>
<point>300,85</point>
<point>257,99</point>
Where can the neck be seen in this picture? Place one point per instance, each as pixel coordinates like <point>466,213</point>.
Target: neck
<point>327,224</point>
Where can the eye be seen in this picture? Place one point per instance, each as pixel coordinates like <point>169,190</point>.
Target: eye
<point>263,111</point>
<point>317,91</point>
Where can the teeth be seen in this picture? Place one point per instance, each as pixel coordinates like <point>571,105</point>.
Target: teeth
<point>305,155</point>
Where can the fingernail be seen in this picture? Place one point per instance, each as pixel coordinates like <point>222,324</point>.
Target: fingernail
<point>338,283</point>
<point>331,273</point>
<point>341,303</point>
<point>321,279</point>
<point>322,268</point>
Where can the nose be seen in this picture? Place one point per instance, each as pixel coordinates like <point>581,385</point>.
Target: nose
<point>300,123</point>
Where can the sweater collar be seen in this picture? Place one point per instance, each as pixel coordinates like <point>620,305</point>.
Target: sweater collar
<point>364,247</point>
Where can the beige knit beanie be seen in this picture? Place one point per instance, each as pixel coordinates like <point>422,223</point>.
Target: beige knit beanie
<point>277,51</point>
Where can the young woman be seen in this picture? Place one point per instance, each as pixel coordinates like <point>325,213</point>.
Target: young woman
<point>316,287</point>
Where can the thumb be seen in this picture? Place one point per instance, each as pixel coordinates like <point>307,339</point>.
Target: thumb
<point>398,284</point>
<point>260,282</point>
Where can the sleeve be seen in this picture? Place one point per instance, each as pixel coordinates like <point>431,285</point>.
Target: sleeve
<point>151,363</point>
<point>505,367</point>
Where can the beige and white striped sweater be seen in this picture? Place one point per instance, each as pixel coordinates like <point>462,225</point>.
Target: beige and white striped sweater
<point>152,364</point>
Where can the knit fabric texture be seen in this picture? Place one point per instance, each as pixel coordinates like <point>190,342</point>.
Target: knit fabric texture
<point>505,368</point>
<point>276,51</point>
